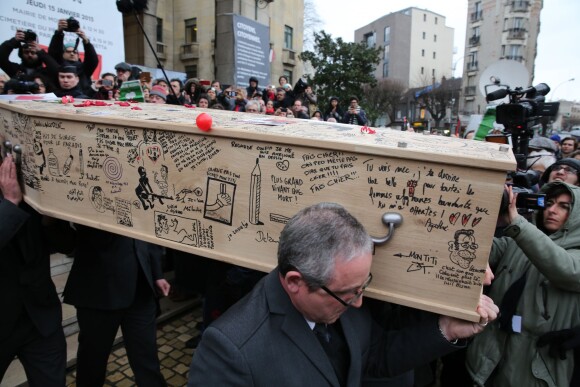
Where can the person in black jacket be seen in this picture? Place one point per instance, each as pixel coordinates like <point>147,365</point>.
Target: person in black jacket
<point>30,327</point>
<point>33,58</point>
<point>112,284</point>
<point>69,83</point>
<point>68,54</point>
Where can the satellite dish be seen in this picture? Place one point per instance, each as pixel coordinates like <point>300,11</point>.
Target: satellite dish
<point>503,72</point>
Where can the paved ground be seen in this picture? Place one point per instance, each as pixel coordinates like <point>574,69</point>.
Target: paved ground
<point>174,356</point>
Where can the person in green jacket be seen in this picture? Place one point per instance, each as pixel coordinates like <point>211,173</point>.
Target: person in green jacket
<point>537,285</point>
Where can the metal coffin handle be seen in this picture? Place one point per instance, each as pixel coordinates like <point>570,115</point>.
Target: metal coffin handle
<point>391,220</point>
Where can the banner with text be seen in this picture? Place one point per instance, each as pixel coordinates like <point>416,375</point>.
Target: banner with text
<point>251,51</point>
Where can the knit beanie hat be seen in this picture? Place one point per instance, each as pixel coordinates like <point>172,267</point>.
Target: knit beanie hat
<point>158,91</point>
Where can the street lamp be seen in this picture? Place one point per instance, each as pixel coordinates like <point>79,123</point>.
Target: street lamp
<point>556,88</point>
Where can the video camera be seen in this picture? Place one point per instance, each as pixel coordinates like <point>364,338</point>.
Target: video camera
<point>21,85</point>
<point>519,116</point>
<point>73,25</point>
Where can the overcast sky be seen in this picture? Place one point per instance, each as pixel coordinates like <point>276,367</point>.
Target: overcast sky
<point>558,57</point>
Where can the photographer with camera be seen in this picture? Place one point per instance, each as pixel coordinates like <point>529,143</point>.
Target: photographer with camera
<point>537,281</point>
<point>106,87</point>
<point>68,54</point>
<point>354,115</point>
<point>32,56</point>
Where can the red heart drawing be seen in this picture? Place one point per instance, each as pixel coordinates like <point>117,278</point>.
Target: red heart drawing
<point>465,219</point>
<point>475,222</point>
<point>453,218</point>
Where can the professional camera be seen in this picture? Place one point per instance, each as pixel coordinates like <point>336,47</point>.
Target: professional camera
<point>30,36</point>
<point>21,85</point>
<point>524,110</point>
<point>73,25</point>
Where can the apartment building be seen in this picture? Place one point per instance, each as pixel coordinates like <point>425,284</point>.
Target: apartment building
<point>497,30</point>
<point>417,46</point>
<point>198,37</point>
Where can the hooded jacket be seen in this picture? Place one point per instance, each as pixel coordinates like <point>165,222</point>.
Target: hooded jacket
<point>550,301</point>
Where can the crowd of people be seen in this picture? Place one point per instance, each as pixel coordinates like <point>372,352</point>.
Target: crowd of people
<point>62,72</point>
<point>304,323</point>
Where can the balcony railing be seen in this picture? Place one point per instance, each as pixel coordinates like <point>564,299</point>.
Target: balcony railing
<point>520,6</point>
<point>161,50</point>
<point>518,58</point>
<point>189,51</point>
<point>288,57</point>
<point>475,16</point>
<point>516,33</point>
<point>471,66</point>
<point>474,40</point>
<point>470,90</point>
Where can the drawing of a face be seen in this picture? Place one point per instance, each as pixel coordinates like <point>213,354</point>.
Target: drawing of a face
<point>97,198</point>
<point>463,248</point>
<point>163,226</point>
<point>164,172</point>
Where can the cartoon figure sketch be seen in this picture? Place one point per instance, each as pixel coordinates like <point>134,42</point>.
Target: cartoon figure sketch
<point>161,179</point>
<point>97,199</point>
<point>463,248</point>
<point>145,192</point>
<point>219,201</point>
<point>149,149</point>
<point>172,230</point>
<point>37,146</point>
<point>161,225</point>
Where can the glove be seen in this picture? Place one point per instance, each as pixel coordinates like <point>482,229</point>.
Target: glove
<point>560,342</point>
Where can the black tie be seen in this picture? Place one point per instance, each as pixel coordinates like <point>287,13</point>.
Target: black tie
<point>322,333</point>
<point>334,344</point>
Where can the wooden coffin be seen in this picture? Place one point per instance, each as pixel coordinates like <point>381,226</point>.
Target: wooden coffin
<point>147,171</point>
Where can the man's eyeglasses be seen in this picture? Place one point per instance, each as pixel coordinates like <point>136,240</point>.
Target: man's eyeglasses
<point>567,170</point>
<point>71,51</point>
<point>355,294</point>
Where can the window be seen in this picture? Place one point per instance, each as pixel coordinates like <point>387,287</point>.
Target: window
<point>191,71</point>
<point>288,74</point>
<point>370,39</point>
<point>386,70</point>
<point>422,70</point>
<point>433,73</point>
<point>436,20</point>
<point>434,55</point>
<point>518,23</point>
<point>472,61</point>
<point>478,13</point>
<point>512,51</point>
<point>435,38</point>
<point>288,37</point>
<point>424,35</point>
<point>159,30</point>
<point>424,17</point>
<point>422,52</point>
<point>386,53</point>
<point>191,30</point>
<point>387,35</point>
